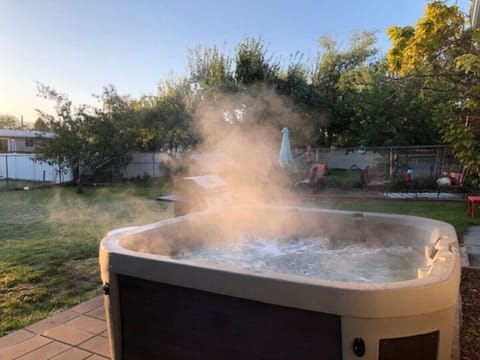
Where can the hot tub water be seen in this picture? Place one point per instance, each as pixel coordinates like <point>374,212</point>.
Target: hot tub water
<point>315,257</point>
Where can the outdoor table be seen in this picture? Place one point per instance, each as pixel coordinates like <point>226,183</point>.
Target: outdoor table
<point>471,201</point>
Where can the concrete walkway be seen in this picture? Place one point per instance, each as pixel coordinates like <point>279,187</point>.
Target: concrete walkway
<point>471,239</point>
<point>74,334</point>
<point>424,195</point>
<point>375,194</point>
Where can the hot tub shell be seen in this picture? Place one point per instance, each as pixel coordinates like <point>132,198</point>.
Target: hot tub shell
<point>353,319</point>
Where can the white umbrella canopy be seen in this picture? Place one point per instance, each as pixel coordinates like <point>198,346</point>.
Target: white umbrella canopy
<point>285,155</point>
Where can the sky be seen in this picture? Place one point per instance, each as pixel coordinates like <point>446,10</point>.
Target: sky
<point>78,47</point>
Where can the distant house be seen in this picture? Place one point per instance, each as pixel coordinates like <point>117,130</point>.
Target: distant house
<point>21,141</point>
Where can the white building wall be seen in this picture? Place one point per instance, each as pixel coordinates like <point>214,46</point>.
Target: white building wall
<point>338,159</point>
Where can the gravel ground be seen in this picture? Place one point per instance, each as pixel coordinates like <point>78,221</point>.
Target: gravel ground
<point>470,331</point>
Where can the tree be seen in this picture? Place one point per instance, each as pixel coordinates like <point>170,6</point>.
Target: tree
<point>40,125</point>
<point>442,52</point>
<point>87,136</point>
<point>176,111</point>
<point>110,133</point>
<point>9,122</point>
<point>66,148</point>
<point>164,121</point>
<point>252,64</point>
<point>295,85</point>
<point>390,112</point>
<point>210,69</point>
<point>338,78</point>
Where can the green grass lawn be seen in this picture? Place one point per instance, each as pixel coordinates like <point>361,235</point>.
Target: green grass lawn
<point>49,244</point>
<point>49,240</point>
<point>14,184</point>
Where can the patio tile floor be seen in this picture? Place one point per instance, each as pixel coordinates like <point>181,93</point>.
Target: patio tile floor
<point>77,333</point>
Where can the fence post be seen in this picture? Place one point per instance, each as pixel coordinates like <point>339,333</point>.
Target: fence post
<point>390,170</point>
<point>6,168</point>
<point>153,164</point>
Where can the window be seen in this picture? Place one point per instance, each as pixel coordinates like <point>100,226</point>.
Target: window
<point>3,145</point>
<point>29,142</point>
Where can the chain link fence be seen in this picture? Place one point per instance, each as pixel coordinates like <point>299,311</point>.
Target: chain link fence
<point>394,161</point>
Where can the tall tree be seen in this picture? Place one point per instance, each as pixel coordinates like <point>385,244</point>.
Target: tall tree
<point>9,122</point>
<point>338,77</point>
<point>253,64</point>
<point>390,112</point>
<point>296,85</point>
<point>209,68</point>
<point>442,51</point>
<point>67,147</point>
<point>88,136</point>
<point>111,132</point>
<point>40,125</point>
<point>176,111</point>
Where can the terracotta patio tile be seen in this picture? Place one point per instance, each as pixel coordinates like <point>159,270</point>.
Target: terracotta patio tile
<point>53,321</point>
<point>88,305</point>
<point>15,338</point>
<point>72,354</point>
<point>87,323</point>
<point>97,357</point>
<point>45,352</point>
<point>68,334</point>
<point>23,347</point>
<point>98,313</point>
<point>98,345</point>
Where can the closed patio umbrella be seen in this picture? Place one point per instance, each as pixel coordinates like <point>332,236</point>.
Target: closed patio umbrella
<point>285,155</point>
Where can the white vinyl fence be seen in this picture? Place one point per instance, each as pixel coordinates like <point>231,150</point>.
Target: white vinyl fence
<point>25,167</point>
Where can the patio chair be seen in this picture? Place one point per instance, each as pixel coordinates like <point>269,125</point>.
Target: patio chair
<point>371,179</point>
<point>452,181</point>
<point>315,179</point>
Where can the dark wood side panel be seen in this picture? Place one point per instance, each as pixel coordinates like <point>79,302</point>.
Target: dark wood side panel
<point>161,321</point>
<point>418,347</point>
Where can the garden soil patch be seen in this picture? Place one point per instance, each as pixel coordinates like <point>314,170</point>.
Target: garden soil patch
<point>470,333</point>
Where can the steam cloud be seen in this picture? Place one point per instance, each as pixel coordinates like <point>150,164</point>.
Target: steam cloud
<point>243,131</point>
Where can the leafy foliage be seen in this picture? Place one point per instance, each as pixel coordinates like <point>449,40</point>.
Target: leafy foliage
<point>464,141</point>
<point>66,147</point>
<point>210,68</point>
<point>84,136</point>
<point>392,112</point>
<point>444,54</point>
<point>9,122</point>
<point>253,64</point>
<point>338,78</point>
<point>40,125</point>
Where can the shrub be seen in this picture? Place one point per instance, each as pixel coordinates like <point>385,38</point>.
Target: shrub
<point>343,179</point>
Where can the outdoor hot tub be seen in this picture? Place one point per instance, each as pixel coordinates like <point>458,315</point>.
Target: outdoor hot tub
<point>282,283</point>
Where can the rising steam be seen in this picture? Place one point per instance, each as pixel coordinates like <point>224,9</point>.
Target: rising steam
<point>243,131</point>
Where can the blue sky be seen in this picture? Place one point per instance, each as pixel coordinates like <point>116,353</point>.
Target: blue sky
<point>77,47</point>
